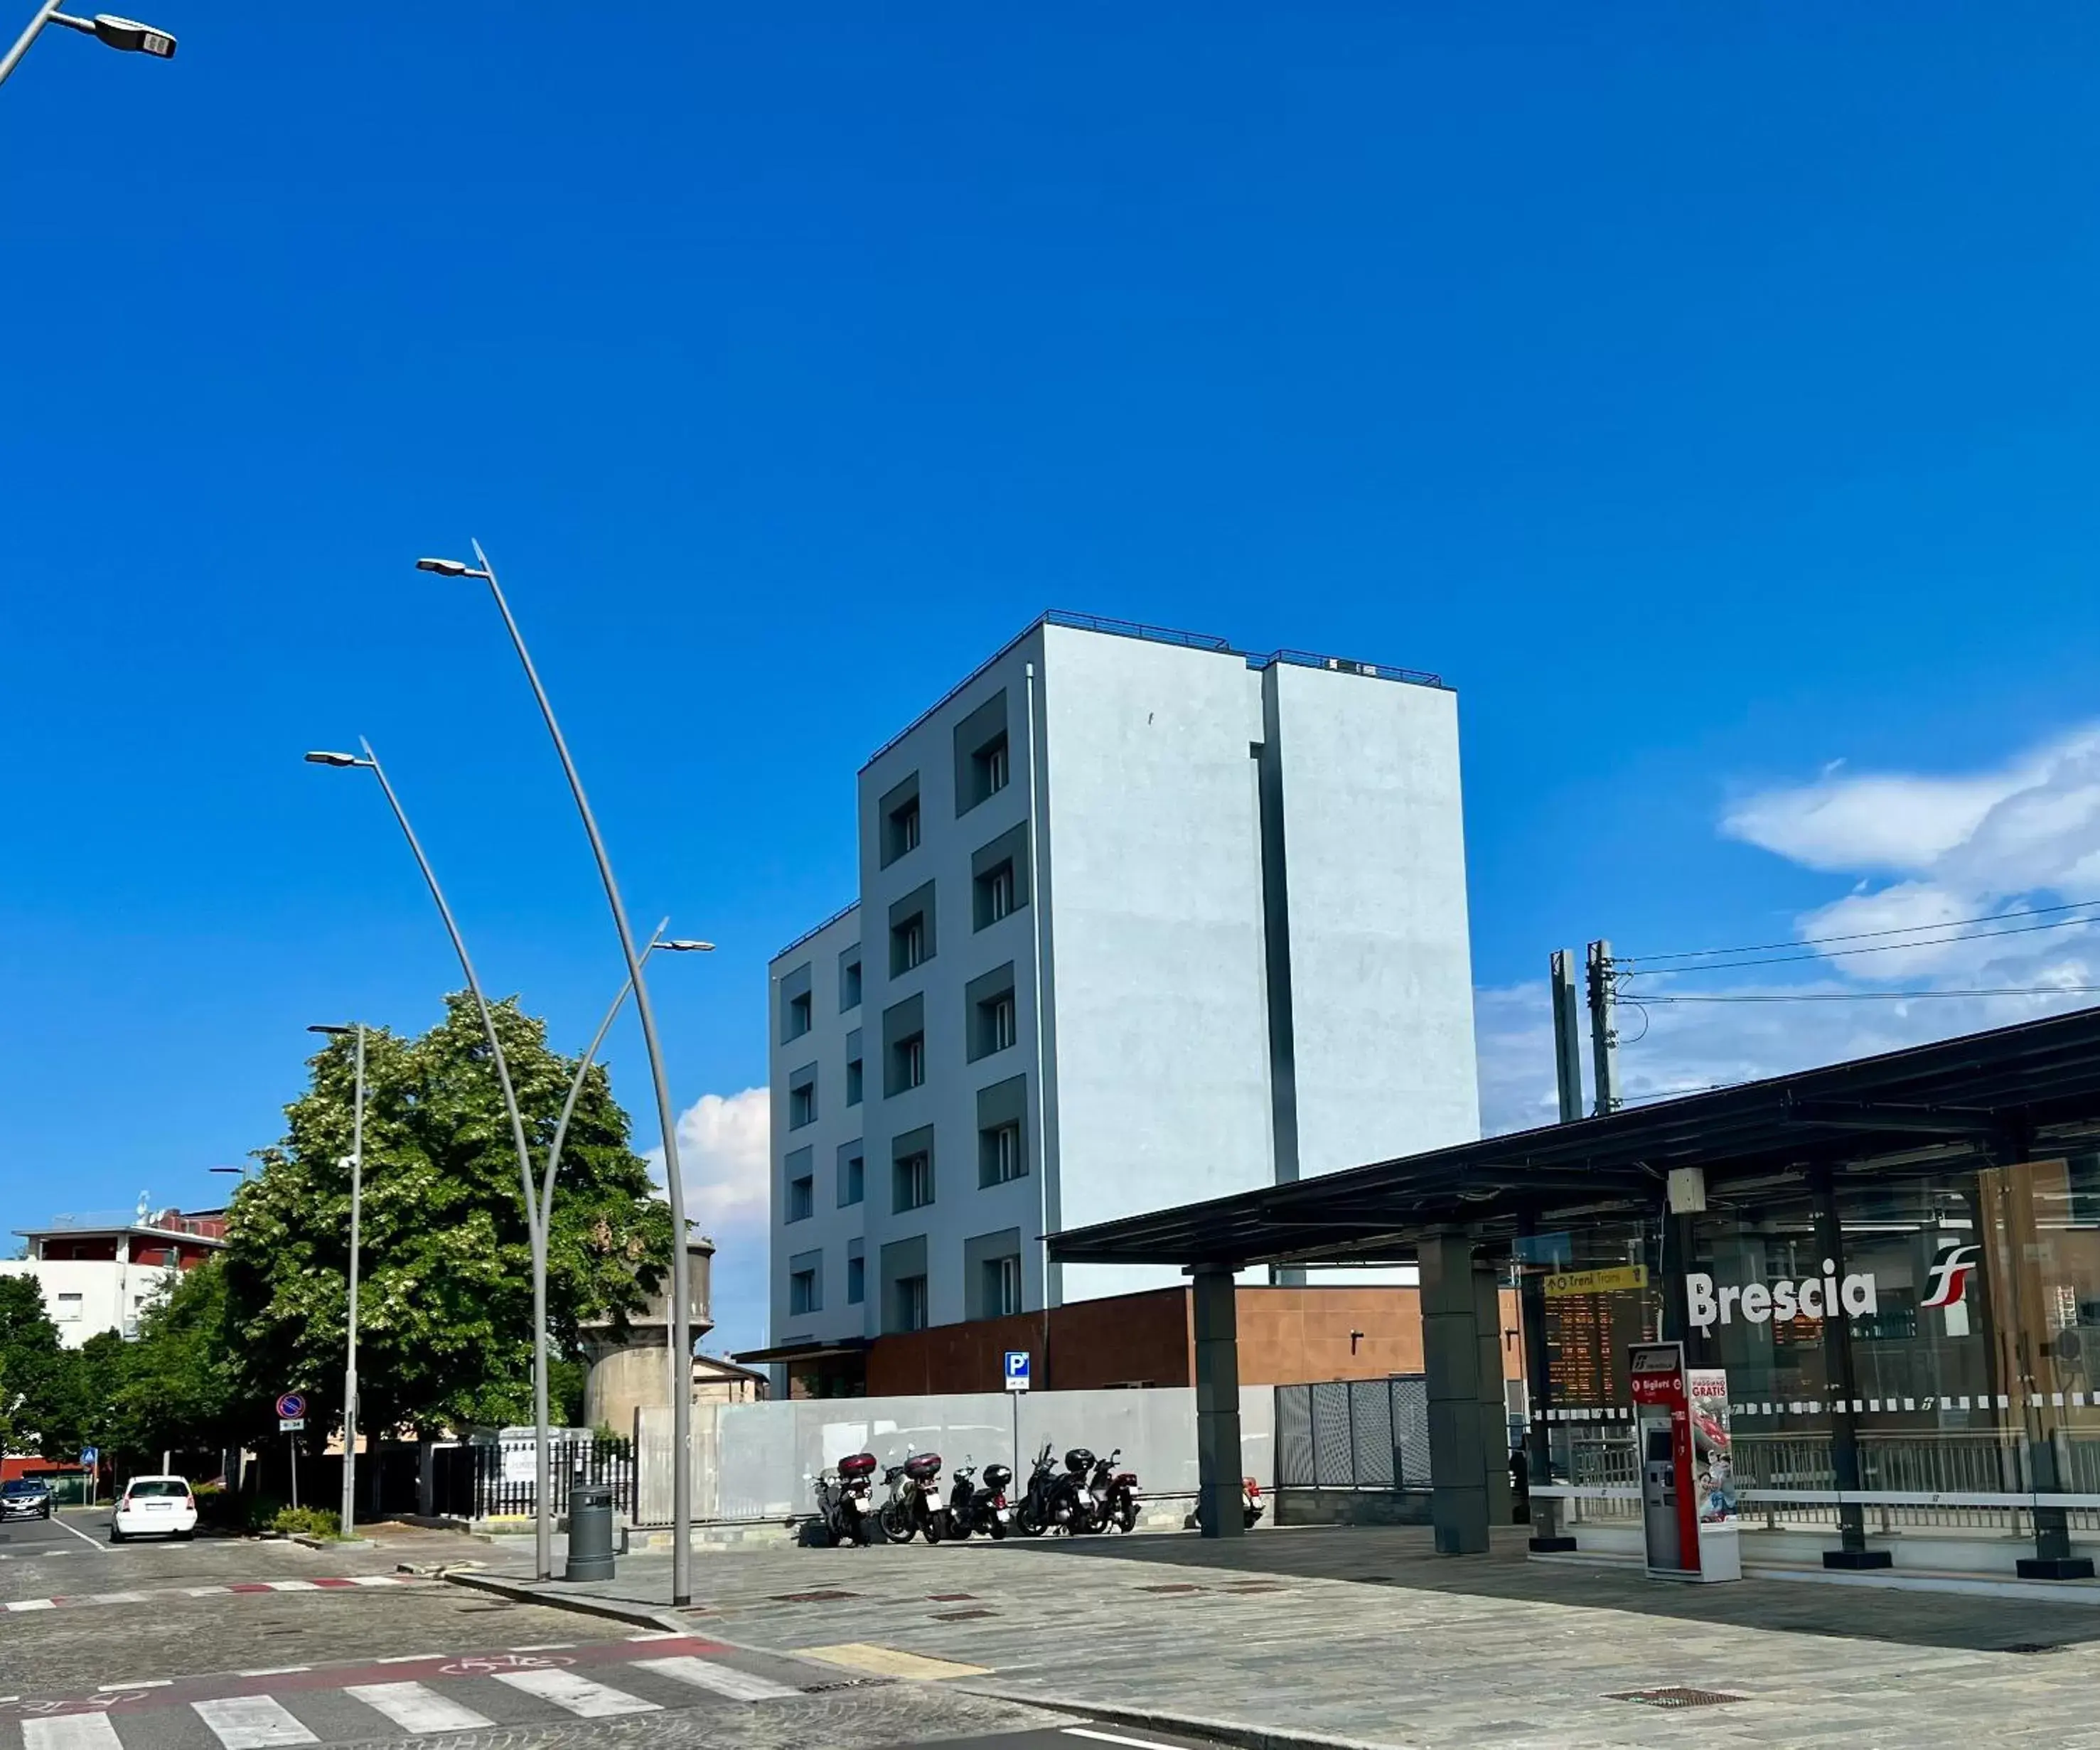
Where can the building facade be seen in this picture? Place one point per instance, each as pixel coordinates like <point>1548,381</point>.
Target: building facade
<point>101,1275</point>
<point>1143,919</point>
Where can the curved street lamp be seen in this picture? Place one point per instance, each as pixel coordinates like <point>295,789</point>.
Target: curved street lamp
<point>125,33</point>
<point>542,1501</point>
<point>674,1183</point>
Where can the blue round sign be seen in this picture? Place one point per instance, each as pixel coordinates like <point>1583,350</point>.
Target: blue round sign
<point>291,1407</point>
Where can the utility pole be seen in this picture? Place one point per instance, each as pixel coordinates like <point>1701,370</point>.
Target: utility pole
<point>1603,1028</point>
<point>1567,1035</point>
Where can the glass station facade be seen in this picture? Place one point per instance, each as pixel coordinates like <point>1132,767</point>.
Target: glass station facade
<point>1945,1330</point>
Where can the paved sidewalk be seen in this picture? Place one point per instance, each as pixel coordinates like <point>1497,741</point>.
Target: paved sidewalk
<point>1363,1634</point>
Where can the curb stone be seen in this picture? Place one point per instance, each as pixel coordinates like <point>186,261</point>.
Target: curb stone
<point>523,1592</point>
<point>1243,1733</point>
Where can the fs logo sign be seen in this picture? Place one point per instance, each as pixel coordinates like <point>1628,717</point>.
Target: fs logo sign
<point>1949,1275</point>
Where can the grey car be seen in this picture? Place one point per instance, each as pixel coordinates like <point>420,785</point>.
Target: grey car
<point>25,1498</point>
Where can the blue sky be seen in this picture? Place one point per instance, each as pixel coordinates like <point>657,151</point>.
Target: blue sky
<point>1709,394</point>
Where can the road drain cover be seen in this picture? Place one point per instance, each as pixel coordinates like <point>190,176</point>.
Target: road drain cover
<point>962,1616</point>
<point>1674,1697</point>
<point>826,1689</point>
<point>811,1597</point>
<point>2033,1647</point>
<point>1165,1588</point>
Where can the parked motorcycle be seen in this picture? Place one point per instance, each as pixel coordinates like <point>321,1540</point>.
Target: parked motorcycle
<point>1250,1501</point>
<point>1082,1512</point>
<point>1112,1496</point>
<point>915,1504</point>
<point>846,1505</point>
<point>975,1506</point>
<point>1037,1510</point>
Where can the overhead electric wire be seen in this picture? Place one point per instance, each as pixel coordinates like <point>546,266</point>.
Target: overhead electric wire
<point>1810,941</point>
<point>1880,996</point>
<point>1633,963</point>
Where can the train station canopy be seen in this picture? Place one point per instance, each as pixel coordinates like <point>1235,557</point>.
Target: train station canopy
<point>2026,1092</point>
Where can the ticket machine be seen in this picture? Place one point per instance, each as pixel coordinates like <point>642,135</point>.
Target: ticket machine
<point>1687,1474</point>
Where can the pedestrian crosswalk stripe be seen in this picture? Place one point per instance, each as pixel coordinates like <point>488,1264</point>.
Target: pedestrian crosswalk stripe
<point>724,1680</point>
<point>70,1731</point>
<point>415,1708</point>
<point>578,1695</point>
<point>252,1722</point>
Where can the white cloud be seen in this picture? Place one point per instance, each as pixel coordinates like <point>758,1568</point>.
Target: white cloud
<point>2000,844</point>
<point>725,1144</point>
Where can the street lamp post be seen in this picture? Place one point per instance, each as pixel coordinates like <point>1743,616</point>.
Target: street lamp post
<point>356,1212</point>
<point>543,1498</point>
<point>674,1186</point>
<point>656,944</point>
<point>125,33</point>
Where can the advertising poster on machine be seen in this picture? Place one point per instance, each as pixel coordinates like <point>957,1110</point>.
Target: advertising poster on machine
<point>1713,1458</point>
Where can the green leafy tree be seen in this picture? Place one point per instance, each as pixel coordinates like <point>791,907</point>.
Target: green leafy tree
<point>44,1397</point>
<point>444,1316</point>
<point>6,1406</point>
<point>179,1386</point>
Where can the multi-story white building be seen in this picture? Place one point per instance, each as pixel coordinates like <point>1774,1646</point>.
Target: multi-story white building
<point>1143,919</point>
<point>102,1273</point>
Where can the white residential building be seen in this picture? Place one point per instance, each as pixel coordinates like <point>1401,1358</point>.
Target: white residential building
<point>1143,919</point>
<point>100,1273</point>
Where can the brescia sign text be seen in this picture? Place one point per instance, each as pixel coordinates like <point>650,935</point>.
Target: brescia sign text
<point>1811,1298</point>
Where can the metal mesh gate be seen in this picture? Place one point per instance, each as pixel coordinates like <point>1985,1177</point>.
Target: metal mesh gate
<point>1361,1433</point>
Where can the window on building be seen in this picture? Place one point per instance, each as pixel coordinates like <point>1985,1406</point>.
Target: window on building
<point>802,1292</point>
<point>800,1015</point>
<point>802,1103</point>
<point>912,1303</point>
<point>67,1307</point>
<point>856,1280</point>
<point>998,1154</point>
<point>853,1178</point>
<point>901,829</point>
<point>1002,1286</point>
<point>853,1081</point>
<point>995,895</point>
<point>849,984</point>
<point>907,944</point>
<point>988,769</point>
<point>996,1023</point>
<point>911,1063</point>
<point>914,1182</point>
<point>802,1198</point>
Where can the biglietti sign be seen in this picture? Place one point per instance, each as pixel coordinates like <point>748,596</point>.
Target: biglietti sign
<point>1817,1297</point>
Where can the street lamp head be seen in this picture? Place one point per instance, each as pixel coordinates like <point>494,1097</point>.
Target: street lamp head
<point>242,1170</point>
<point>686,946</point>
<point>333,1031</point>
<point>450,568</point>
<point>134,38</point>
<point>335,759</point>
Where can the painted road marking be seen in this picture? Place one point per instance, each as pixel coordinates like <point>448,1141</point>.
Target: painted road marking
<point>578,1695</point>
<point>82,1536</point>
<point>411,1658</point>
<point>889,1662</point>
<point>71,1732</point>
<point>43,1604</point>
<point>415,1708</point>
<point>271,1671</point>
<point>142,1683</point>
<point>1110,1738</point>
<point>545,1646</point>
<point>724,1680</point>
<point>252,1722</point>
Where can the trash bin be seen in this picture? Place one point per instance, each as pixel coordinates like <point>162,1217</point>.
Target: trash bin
<point>590,1533</point>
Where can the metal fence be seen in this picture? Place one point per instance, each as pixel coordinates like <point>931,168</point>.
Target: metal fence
<point>505,1474</point>
<point>1358,1433</point>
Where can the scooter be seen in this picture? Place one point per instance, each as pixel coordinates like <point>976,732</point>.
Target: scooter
<point>974,1507</point>
<point>915,1504</point>
<point>1250,1501</point>
<point>1037,1510</point>
<point>845,1506</point>
<point>1113,1494</point>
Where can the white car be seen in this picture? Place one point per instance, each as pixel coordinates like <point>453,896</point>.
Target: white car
<point>154,1507</point>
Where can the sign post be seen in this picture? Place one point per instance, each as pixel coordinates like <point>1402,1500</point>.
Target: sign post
<point>1016,1382</point>
<point>291,1418</point>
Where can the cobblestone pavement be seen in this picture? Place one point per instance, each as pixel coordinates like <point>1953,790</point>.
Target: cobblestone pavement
<point>1366,1634</point>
